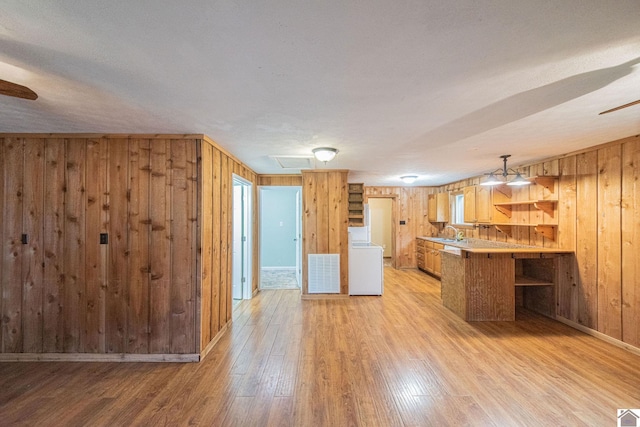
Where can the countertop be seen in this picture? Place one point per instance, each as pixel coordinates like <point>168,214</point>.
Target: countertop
<point>487,246</point>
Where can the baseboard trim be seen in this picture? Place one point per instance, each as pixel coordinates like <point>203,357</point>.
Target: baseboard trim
<point>101,357</point>
<point>215,340</point>
<point>324,296</point>
<point>623,345</point>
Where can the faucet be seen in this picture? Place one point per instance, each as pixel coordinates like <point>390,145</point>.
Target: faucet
<point>458,234</point>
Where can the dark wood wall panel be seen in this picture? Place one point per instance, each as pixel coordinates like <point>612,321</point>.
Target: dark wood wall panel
<point>12,247</point>
<point>161,284</point>
<point>139,237</point>
<point>95,254</point>
<point>32,227</point>
<point>53,245</point>
<point>74,249</point>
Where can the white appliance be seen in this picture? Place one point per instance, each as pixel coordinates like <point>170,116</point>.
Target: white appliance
<point>366,276</point>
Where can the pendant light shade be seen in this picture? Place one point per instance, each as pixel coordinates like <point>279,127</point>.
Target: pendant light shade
<point>324,154</point>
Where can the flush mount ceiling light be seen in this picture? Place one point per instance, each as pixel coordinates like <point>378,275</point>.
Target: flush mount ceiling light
<point>409,179</point>
<point>500,176</point>
<point>324,154</point>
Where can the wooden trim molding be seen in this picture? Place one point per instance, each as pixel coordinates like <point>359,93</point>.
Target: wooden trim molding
<point>599,335</point>
<point>98,357</point>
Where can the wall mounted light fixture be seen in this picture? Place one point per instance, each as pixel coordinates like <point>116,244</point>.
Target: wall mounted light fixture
<point>500,176</point>
<point>409,179</point>
<point>324,154</point>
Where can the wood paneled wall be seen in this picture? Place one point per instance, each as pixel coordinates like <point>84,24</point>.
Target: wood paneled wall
<point>280,180</point>
<point>598,218</point>
<point>164,275</point>
<point>325,220</point>
<point>410,204</point>
<point>218,168</point>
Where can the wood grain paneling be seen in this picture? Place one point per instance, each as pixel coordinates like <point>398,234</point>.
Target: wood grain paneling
<point>141,292</point>
<point>117,274</point>
<point>32,227</point>
<point>325,220</point>
<point>597,216</point>
<point>280,180</point>
<point>631,244</point>
<point>96,255</point>
<point>609,248</point>
<point>74,247</point>
<point>139,233</point>
<point>53,245</point>
<point>411,206</point>
<point>12,246</point>
<point>587,237</point>
<point>568,291</point>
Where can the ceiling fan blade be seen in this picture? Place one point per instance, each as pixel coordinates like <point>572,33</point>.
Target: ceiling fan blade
<point>621,107</point>
<point>16,90</point>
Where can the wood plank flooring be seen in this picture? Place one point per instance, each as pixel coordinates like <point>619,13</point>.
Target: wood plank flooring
<point>397,360</point>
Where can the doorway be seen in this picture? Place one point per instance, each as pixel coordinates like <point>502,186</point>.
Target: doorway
<point>280,237</point>
<point>241,253</point>
<point>382,223</point>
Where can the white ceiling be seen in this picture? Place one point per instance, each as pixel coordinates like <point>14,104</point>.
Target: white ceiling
<point>435,88</point>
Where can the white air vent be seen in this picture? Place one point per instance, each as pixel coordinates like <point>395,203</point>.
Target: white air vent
<point>324,273</point>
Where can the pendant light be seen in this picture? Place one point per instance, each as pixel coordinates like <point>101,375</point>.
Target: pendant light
<point>500,176</point>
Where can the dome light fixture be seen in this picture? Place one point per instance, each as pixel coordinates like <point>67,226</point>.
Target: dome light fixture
<point>409,179</point>
<point>499,176</point>
<point>324,154</point>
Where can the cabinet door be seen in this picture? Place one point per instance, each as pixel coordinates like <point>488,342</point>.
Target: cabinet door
<point>484,206</point>
<point>469,194</point>
<point>437,259</point>
<point>443,207</point>
<point>432,208</point>
<point>429,257</point>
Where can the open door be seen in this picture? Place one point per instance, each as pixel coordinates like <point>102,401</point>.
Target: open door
<point>241,253</point>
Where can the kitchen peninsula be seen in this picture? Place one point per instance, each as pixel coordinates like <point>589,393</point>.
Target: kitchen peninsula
<point>485,280</point>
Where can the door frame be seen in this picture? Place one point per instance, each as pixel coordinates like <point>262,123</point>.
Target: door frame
<point>394,236</point>
<point>247,234</point>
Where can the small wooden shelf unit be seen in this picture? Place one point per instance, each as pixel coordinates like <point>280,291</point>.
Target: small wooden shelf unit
<point>356,205</point>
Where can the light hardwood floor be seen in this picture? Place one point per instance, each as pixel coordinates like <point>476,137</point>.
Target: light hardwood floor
<point>397,360</point>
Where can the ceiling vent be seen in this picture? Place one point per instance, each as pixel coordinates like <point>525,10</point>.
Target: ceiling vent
<point>294,162</point>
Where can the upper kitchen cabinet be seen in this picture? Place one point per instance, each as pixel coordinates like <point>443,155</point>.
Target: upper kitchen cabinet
<point>438,207</point>
<point>356,205</point>
<point>477,204</point>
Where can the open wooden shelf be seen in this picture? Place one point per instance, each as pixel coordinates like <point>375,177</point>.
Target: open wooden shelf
<point>543,205</point>
<point>547,230</point>
<point>356,205</point>
<point>531,281</point>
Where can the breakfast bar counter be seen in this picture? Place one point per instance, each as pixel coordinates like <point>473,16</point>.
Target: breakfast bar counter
<point>485,280</point>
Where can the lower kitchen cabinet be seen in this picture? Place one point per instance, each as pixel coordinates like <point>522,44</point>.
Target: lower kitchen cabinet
<point>428,255</point>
